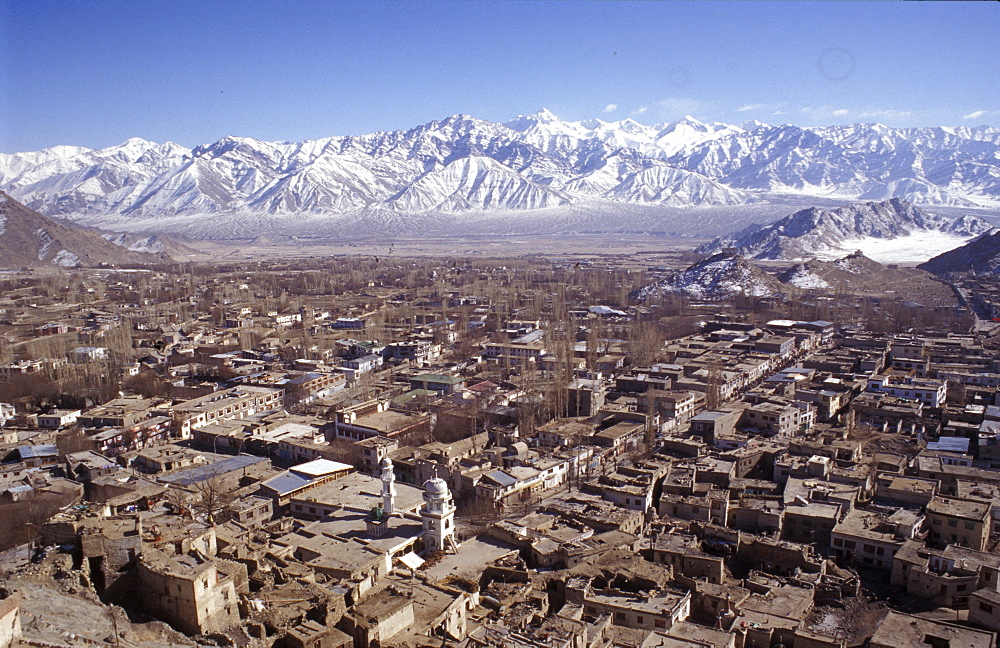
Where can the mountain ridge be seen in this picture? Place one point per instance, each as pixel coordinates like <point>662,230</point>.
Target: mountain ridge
<point>981,255</point>
<point>817,232</point>
<point>462,164</point>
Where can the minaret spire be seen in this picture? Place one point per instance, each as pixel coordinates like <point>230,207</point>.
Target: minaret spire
<point>388,487</point>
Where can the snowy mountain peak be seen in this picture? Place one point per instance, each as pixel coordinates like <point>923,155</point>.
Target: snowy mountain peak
<point>688,120</point>
<point>752,125</point>
<point>463,164</point>
<point>545,115</point>
<point>225,145</point>
<point>522,123</point>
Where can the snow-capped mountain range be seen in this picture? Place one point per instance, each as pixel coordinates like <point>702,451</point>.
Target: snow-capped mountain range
<point>893,231</point>
<point>462,165</point>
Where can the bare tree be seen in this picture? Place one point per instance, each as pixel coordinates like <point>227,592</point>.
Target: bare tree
<point>214,499</point>
<point>713,397</point>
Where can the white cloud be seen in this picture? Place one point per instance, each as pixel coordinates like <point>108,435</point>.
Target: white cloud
<point>975,114</point>
<point>640,110</point>
<point>839,112</point>
<point>746,107</point>
<point>610,108</point>
<point>778,112</point>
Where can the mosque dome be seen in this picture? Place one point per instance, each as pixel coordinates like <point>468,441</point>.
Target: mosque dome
<point>436,487</point>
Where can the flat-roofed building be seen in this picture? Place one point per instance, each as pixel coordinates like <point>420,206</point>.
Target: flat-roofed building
<point>194,595</point>
<point>374,418</point>
<point>931,393</point>
<point>235,403</point>
<point>872,540</point>
<point>959,521</point>
<point>898,629</point>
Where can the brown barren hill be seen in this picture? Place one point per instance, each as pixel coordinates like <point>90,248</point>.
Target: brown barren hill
<point>29,239</point>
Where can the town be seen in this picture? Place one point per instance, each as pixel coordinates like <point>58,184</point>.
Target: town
<point>522,452</point>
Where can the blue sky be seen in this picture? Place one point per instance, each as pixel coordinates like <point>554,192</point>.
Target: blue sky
<point>96,73</point>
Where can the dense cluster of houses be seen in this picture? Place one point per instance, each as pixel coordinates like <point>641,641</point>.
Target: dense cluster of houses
<point>534,493</point>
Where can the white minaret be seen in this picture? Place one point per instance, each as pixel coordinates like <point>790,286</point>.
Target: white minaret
<point>388,486</point>
<point>438,515</point>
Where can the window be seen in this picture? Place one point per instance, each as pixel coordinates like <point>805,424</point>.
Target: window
<point>953,523</point>
<point>937,522</point>
<point>970,525</point>
<point>985,607</point>
<point>660,623</point>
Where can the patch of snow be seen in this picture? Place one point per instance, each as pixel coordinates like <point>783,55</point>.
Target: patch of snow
<point>914,248</point>
<point>66,259</point>
<point>45,243</point>
<point>151,244</point>
<point>848,265</point>
<point>3,219</point>
<point>802,277</point>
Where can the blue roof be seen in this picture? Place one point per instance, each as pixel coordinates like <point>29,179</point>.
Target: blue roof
<point>950,444</point>
<point>43,450</point>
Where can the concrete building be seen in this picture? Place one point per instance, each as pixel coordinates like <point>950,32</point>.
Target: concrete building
<point>931,393</point>
<point>234,403</point>
<point>984,609</point>
<point>871,540</point>
<point>58,418</point>
<point>944,576</point>
<point>953,520</point>
<point>375,419</point>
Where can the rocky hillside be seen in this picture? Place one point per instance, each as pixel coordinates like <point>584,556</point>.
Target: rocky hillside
<point>718,277</point>
<point>29,239</point>
<point>830,233</point>
<point>980,256</point>
<point>726,275</point>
